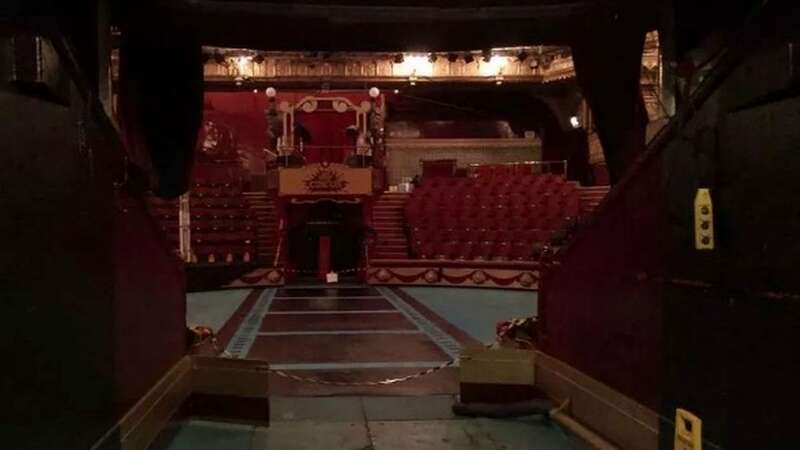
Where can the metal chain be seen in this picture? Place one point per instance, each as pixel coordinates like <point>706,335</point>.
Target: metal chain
<point>312,380</point>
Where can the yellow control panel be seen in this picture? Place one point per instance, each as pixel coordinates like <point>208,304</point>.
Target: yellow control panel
<point>703,220</point>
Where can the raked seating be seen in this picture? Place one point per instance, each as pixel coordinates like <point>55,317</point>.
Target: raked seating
<point>500,214</point>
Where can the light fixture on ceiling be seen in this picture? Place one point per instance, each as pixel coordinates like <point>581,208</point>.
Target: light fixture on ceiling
<point>374,92</point>
<point>271,92</point>
<point>575,122</point>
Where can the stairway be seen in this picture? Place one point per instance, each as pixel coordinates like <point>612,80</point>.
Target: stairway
<point>388,219</point>
<point>591,196</point>
<point>263,205</point>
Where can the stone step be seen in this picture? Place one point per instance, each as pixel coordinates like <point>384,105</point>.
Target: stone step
<point>390,255</point>
<point>391,249</point>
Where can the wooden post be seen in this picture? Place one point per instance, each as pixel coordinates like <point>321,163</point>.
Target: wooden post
<point>324,261</point>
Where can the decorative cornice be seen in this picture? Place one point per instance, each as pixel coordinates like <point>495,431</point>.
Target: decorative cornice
<point>498,143</point>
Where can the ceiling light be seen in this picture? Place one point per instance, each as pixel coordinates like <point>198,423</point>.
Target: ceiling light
<point>575,122</point>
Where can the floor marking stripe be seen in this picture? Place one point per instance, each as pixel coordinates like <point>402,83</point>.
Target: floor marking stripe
<point>333,297</point>
<point>311,313</point>
<point>357,365</point>
<point>446,342</point>
<point>336,332</point>
<point>240,343</point>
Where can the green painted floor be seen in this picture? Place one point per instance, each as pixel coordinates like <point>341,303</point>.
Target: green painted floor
<point>369,423</point>
<point>476,311</point>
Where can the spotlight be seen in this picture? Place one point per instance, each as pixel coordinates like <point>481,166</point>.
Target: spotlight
<point>374,92</point>
<point>432,58</point>
<point>468,58</point>
<point>522,56</point>
<point>574,122</point>
<point>452,57</point>
<point>258,59</point>
<point>398,58</point>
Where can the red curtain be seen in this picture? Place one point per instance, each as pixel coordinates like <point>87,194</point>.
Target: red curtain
<point>243,113</point>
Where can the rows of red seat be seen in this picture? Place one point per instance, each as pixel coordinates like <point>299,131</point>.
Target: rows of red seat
<point>221,222</point>
<point>489,218</point>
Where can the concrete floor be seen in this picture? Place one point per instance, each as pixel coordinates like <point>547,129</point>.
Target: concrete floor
<point>370,423</point>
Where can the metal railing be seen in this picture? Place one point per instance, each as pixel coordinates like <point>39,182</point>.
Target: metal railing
<point>280,244</point>
<point>536,167</point>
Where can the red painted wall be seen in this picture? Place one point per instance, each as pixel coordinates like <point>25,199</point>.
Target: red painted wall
<point>243,112</point>
<point>595,314</point>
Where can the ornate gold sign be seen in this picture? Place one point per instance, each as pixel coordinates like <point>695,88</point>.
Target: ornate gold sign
<point>325,179</point>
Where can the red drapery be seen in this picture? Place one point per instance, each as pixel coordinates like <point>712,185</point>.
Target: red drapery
<point>243,113</point>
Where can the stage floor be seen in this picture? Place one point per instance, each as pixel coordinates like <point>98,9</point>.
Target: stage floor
<point>368,423</point>
<point>359,333</point>
<point>356,333</point>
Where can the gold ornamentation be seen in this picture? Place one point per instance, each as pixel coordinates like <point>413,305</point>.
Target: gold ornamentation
<point>431,276</point>
<point>479,277</point>
<point>383,275</point>
<point>274,276</point>
<point>526,279</point>
<point>325,180</point>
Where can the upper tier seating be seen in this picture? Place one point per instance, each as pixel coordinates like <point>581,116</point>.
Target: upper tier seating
<point>501,214</point>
